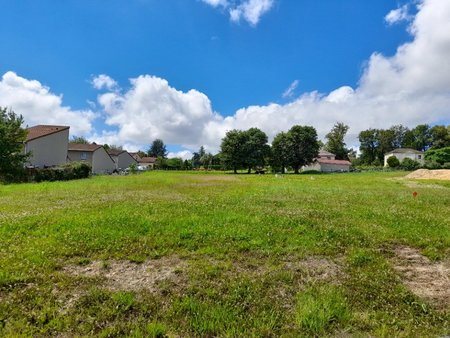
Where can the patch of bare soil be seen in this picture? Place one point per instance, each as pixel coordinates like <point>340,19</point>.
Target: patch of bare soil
<point>316,268</point>
<point>426,279</point>
<point>125,275</point>
<point>424,174</point>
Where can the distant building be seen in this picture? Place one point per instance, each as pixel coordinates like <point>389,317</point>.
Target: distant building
<point>326,162</point>
<point>48,145</point>
<point>147,162</point>
<point>122,158</point>
<point>94,154</point>
<point>402,153</point>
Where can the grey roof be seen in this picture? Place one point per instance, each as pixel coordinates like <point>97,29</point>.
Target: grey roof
<point>404,151</point>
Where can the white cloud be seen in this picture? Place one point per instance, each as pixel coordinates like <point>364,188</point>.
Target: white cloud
<point>183,154</point>
<point>216,3</point>
<point>398,15</point>
<point>248,10</point>
<point>152,109</point>
<point>251,11</point>
<point>38,105</point>
<point>103,81</point>
<point>289,92</point>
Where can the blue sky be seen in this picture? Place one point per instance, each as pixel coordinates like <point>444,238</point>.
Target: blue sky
<point>189,54</point>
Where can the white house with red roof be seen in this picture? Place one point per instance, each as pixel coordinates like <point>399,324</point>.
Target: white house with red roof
<point>47,145</point>
<point>326,162</point>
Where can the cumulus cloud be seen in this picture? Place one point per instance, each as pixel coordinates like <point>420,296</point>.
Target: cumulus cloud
<point>248,10</point>
<point>38,105</point>
<point>103,81</point>
<point>289,92</point>
<point>183,154</point>
<point>151,109</point>
<point>398,15</point>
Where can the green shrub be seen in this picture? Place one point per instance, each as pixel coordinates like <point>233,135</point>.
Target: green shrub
<point>393,162</point>
<point>432,165</point>
<point>70,171</point>
<point>440,156</point>
<point>409,164</point>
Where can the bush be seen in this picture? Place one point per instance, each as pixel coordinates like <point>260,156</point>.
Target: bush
<point>440,156</point>
<point>432,165</point>
<point>409,164</point>
<point>393,162</point>
<point>71,171</point>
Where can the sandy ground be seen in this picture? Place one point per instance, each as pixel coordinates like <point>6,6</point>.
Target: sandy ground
<point>425,174</point>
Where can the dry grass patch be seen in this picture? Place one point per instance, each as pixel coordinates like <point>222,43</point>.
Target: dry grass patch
<point>424,278</point>
<point>424,174</point>
<point>129,276</point>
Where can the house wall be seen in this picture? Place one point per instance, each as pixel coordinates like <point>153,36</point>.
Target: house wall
<point>48,150</point>
<point>401,156</point>
<point>102,163</point>
<point>125,160</point>
<point>327,168</point>
<point>314,166</point>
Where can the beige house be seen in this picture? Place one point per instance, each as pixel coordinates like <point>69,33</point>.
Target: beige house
<point>326,162</point>
<point>147,163</point>
<point>95,154</point>
<point>122,158</point>
<point>402,153</point>
<point>47,145</point>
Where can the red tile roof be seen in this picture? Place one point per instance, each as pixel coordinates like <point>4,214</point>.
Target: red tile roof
<point>83,147</point>
<point>43,130</point>
<point>325,161</point>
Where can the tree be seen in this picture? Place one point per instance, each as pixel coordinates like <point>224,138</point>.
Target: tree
<point>233,149</point>
<point>79,140</point>
<point>440,137</point>
<point>157,149</point>
<point>12,139</point>
<point>303,146</point>
<point>368,145</point>
<point>335,141</point>
<point>422,137</point>
<point>385,142</point>
<point>441,155</point>
<point>280,152</point>
<point>256,148</point>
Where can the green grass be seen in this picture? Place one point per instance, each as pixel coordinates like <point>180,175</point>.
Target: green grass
<point>242,240</point>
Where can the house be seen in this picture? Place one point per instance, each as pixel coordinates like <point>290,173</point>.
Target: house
<point>122,158</point>
<point>135,156</point>
<point>94,154</point>
<point>47,145</point>
<point>402,153</point>
<point>147,162</point>
<point>326,162</point>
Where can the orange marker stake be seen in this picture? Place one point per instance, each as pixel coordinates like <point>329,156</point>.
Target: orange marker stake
<point>415,194</point>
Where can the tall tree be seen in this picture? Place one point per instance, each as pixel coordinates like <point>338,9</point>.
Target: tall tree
<point>368,145</point>
<point>12,139</point>
<point>256,148</point>
<point>157,149</point>
<point>279,159</point>
<point>386,139</point>
<point>335,141</point>
<point>233,149</point>
<point>422,137</point>
<point>303,146</point>
<point>440,137</point>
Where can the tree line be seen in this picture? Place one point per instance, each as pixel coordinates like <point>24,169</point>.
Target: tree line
<point>375,143</point>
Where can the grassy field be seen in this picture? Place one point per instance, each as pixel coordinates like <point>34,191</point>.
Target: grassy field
<point>188,254</point>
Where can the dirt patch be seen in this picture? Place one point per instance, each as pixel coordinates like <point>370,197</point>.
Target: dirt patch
<point>425,174</point>
<point>125,275</point>
<point>316,268</point>
<point>426,279</point>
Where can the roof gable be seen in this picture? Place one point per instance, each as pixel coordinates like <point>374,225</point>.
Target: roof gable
<point>43,130</point>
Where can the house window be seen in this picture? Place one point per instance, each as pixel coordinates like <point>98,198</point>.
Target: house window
<point>83,156</point>
<point>419,157</point>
